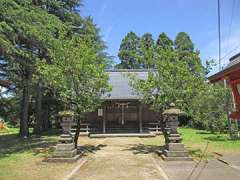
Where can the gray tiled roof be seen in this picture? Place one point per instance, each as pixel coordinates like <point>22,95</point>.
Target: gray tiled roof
<point>119,81</point>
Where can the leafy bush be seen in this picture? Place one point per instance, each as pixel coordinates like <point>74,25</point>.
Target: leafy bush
<point>208,108</point>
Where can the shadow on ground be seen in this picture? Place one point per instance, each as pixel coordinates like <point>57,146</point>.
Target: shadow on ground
<point>203,132</point>
<point>11,144</point>
<point>144,149</point>
<point>90,148</point>
<point>216,138</point>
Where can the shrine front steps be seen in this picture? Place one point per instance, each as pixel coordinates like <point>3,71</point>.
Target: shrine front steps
<point>122,135</point>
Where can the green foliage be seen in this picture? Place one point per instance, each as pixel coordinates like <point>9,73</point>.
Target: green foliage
<point>47,43</point>
<point>129,52</point>
<point>9,109</point>
<point>183,42</point>
<point>171,81</point>
<point>179,77</point>
<point>147,51</point>
<point>164,42</point>
<point>75,75</point>
<point>209,108</point>
<point>66,113</point>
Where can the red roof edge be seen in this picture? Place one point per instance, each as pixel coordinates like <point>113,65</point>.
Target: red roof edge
<point>224,73</point>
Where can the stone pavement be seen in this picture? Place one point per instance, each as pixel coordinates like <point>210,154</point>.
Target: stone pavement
<point>115,160</point>
<point>233,160</point>
<point>212,169</point>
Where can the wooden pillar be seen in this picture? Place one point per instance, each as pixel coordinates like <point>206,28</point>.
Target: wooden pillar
<point>104,118</point>
<point>140,117</point>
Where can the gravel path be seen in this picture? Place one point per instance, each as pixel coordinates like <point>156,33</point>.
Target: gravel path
<point>115,159</point>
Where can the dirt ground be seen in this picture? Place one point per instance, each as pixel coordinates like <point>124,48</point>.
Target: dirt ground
<point>115,158</point>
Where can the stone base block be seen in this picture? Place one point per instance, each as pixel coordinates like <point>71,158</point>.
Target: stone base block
<point>65,136</point>
<point>175,153</point>
<point>62,159</point>
<point>165,158</point>
<point>65,154</point>
<point>174,138</point>
<point>65,147</point>
<point>175,147</point>
<point>66,140</point>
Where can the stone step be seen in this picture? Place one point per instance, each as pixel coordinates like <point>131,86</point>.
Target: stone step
<point>175,147</point>
<point>174,138</point>
<point>122,135</point>
<point>165,158</point>
<point>65,147</point>
<point>175,153</point>
<point>61,153</point>
<point>65,136</point>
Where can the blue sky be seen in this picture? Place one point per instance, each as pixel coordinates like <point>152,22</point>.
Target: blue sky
<point>198,18</point>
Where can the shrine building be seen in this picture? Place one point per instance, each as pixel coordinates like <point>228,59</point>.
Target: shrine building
<point>122,111</point>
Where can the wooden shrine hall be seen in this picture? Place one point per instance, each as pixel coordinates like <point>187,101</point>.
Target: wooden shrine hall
<point>121,111</point>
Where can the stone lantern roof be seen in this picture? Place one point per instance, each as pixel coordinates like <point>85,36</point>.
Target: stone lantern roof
<point>173,110</point>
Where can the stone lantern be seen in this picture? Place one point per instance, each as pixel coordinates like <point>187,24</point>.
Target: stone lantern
<point>65,150</point>
<point>174,149</point>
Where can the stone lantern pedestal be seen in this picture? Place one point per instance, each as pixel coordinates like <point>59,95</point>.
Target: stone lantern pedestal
<point>65,150</point>
<point>174,149</point>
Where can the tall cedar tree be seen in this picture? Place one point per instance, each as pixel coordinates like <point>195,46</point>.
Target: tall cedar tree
<point>164,42</point>
<point>147,51</point>
<point>129,52</point>
<point>186,52</point>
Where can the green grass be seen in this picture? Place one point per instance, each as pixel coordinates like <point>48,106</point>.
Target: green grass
<point>22,158</point>
<point>9,131</point>
<point>197,140</point>
<point>13,147</point>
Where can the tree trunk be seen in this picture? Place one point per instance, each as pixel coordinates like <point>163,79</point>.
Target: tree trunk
<point>45,124</point>
<point>39,121</point>
<point>25,108</point>
<point>77,132</point>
